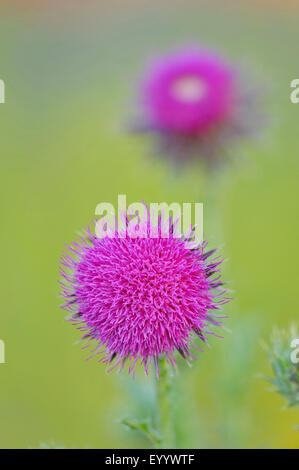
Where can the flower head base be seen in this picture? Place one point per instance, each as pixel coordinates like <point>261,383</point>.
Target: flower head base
<point>192,102</point>
<point>141,298</point>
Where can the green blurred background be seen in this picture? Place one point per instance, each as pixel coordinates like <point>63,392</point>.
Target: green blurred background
<point>70,71</point>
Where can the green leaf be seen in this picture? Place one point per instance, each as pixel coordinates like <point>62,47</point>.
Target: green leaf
<point>143,426</point>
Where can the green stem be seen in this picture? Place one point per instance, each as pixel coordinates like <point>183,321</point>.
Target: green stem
<point>145,428</point>
<point>165,406</point>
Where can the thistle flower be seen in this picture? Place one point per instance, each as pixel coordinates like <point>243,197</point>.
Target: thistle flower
<point>141,298</point>
<point>193,103</point>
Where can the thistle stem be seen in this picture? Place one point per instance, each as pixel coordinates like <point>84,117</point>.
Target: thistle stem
<point>165,406</point>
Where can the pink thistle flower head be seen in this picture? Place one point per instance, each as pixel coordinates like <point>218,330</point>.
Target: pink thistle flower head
<point>193,103</point>
<point>141,298</point>
<point>189,92</point>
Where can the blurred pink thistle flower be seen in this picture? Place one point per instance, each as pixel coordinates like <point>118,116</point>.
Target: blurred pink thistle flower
<point>192,101</point>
